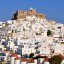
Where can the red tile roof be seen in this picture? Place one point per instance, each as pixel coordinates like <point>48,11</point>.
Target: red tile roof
<point>17,58</point>
<point>46,59</point>
<point>30,60</point>
<point>14,55</point>
<point>24,59</point>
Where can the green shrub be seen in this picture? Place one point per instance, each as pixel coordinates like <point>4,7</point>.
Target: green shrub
<point>57,59</point>
<point>49,33</point>
<point>62,42</point>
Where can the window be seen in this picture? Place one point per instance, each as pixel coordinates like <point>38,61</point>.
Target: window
<point>25,50</point>
<point>13,27</point>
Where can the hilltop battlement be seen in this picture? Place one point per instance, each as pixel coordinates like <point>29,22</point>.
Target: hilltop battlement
<point>19,14</point>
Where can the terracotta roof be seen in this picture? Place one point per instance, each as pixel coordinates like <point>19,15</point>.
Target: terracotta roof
<point>30,60</point>
<point>14,55</point>
<point>46,59</point>
<point>24,59</point>
<point>17,58</point>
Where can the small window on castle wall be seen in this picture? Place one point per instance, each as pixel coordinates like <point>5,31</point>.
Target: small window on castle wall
<point>41,15</point>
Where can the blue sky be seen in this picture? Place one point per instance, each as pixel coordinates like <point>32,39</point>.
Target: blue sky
<point>53,9</point>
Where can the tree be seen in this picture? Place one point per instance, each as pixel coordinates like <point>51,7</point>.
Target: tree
<point>49,33</point>
<point>57,59</point>
<point>31,55</point>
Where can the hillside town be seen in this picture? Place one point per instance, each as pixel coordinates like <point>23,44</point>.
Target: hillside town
<point>29,38</point>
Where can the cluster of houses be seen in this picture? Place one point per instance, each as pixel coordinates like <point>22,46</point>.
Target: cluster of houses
<point>30,32</point>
